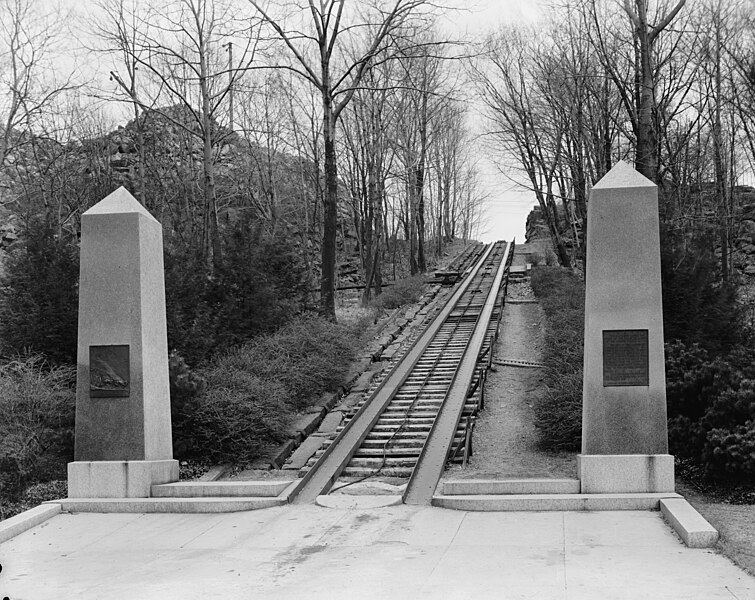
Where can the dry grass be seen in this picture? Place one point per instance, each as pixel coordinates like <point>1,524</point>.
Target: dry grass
<point>735,523</point>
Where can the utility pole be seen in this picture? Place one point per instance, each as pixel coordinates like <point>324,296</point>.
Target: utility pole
<point>229,46</point>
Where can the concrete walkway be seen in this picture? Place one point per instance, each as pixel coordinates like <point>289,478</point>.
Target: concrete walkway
<point>395,552</point>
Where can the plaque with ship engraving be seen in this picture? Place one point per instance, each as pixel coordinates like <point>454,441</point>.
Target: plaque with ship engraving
<point>109,372</point>
<point>625,358</point>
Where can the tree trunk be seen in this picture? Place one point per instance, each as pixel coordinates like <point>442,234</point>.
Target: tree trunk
<point>209,186</point>
<point>330,214</point>
<point>719,162</point>
<point>558,244</point>
<point>419,183</point>
<point>412,221</point>
<point>379,233</point>
<point>646,160</point>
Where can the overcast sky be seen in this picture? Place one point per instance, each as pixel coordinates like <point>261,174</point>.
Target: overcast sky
<point>508,204</point>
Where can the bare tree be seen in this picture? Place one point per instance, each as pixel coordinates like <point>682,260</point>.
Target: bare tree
<point>332,48</point>
<point>448,156</point>
<point>30,38</point>
<point>638,93</point>
<point>368,125</point>
<point>117,28</point>
<point>178,48</point>
<point>523,125</point>
<point>422,94</point>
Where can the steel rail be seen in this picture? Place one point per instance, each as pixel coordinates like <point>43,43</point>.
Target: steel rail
<point>321,477</point>
<point>434,454</point>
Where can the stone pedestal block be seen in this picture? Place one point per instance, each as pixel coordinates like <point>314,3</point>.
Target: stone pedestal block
<point>119,478</point>
<point>625,473</point>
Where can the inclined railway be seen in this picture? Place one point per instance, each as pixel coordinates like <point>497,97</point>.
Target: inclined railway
<point>420,414</point>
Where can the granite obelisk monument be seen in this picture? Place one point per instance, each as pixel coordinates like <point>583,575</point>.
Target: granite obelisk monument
<point>123,433</point>
<point>624,431</point>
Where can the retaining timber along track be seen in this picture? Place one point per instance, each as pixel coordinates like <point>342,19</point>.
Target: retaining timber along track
<point>421,413</point>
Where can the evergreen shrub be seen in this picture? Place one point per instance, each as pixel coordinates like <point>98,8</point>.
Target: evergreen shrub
<point>698,308</point>
<point>558,412</point>
<point>39,295</point>
<point>730,453</point>
<point>260,285</point>
<point>711,407</point>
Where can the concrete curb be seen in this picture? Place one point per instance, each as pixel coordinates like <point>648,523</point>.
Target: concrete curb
<point>691,526</point>
<point>552,502</point>
<point>474,487</point>
<point>169,505</point>
<point>26,520</point>
<point>221,489</point>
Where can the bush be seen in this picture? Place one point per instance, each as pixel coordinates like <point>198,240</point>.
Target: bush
<point>686,437</point>
<point>253,391</point>
<point>308,356</point>
<point>711,407</point>
<point>730,453</point>
<point>259,286</point>
<point>34,495</point>
<point>39,296</point>
<point>697,307</point>
<point>693,381</point>
<point>690,379</point>
<point>733,407</point>
<point>238,415</point>
<point>558,412</point>
<point>185,386</point>
<point>37,406</point>
<point>402,292</point>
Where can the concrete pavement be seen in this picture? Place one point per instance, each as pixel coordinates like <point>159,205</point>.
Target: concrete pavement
<point>393,552</point>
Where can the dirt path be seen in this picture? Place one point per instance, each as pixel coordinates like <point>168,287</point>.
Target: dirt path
<point>505,437</point>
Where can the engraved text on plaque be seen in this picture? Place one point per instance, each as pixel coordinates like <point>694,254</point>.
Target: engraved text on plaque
<point>625,357</point>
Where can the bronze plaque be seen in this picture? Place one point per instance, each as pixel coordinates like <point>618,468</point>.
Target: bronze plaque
<point>109,372</point>
<point>625,357</point>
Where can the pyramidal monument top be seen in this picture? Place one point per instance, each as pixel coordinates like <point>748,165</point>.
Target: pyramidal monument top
<point>119,202</point>
<point>622,175</point>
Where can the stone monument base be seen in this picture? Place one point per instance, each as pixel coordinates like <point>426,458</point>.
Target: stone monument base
<point>625,473</point>
<point>119,478</point>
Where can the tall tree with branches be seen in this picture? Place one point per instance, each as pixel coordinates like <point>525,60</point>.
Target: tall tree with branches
<point>178,48</point>
<point>30,39</point>
<point>332,47</point>
<point>522,123</point>
<point>639,93</point>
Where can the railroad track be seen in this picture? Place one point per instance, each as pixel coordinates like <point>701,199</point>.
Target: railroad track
<point>421,412</point>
